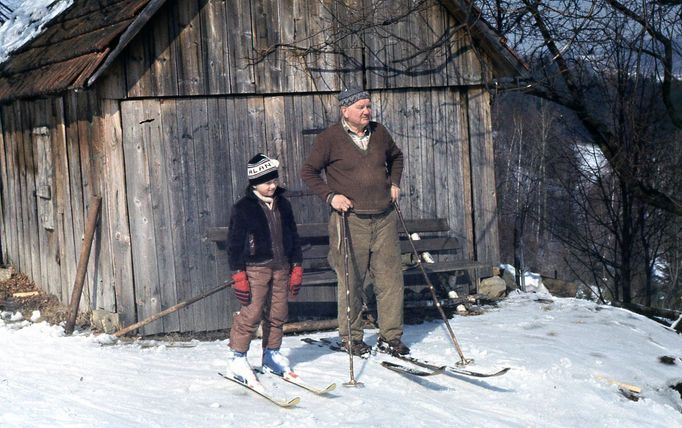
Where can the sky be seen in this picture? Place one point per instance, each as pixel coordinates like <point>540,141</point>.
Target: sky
<point>562,353</point>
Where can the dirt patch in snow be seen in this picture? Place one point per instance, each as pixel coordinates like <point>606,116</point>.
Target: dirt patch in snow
<point>19,294</point>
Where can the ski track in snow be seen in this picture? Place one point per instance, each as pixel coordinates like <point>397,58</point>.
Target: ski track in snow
<point>555,350</point>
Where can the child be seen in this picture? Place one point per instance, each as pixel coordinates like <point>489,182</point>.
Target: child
<point>265,258</point>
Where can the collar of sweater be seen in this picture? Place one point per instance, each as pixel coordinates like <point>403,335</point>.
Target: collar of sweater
<point>266,199</point>
<point>347,127</point>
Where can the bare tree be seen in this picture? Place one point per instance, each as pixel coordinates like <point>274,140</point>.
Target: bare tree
<point>568,42</point>
<point>670,270</point>
<point>614,240</point>
<point>523,136</point>
<point>611,63</point>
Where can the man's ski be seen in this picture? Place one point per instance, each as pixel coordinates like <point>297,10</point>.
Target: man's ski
<point>449,369</point>
<point>413,360</point>
<point>334,346</point>
<point>293,378</point>
<point>434,370</point>
<point>311,341</point>
<point>261,391</point>
<point>399,368</point>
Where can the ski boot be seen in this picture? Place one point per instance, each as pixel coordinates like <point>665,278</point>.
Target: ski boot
<point>392,347</point>
<point>275,362</point>
<point>238,367</point>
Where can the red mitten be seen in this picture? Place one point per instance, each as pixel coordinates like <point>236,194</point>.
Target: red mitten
<point>241,287</point>
<point>295,280</point>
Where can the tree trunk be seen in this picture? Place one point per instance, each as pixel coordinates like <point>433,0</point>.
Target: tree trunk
<point>649,259</point>
<point>626,244</point>
<point>518,251</point>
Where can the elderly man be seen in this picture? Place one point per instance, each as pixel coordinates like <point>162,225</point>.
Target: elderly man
<point>363,166</point>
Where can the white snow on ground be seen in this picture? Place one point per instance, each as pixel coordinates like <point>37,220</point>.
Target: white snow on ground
<point>557,350</point>
<point>531,280</point>
<point>27,21</point>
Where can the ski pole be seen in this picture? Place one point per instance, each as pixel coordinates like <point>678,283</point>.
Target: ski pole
<point>349,342</point>
<point>463,361</point>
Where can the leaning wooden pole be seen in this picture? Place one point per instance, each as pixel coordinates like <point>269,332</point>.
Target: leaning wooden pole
<point>170,310</point>
<point>86,246</point>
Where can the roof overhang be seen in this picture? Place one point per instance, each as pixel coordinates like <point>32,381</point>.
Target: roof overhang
<point>75,48</point>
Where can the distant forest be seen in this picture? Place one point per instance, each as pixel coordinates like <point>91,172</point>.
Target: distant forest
<point>588,154</point>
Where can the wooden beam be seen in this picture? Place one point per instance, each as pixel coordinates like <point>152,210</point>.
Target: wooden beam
<point>93,212</point>
<point>170,310</point>
<point>626,386</point>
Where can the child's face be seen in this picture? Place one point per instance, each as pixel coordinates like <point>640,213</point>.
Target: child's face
<point>268,188</point>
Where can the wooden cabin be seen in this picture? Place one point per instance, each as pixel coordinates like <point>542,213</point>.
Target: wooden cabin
<point>156,106</point>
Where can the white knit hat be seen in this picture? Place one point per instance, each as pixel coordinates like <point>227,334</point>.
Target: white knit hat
<point>261,169</point>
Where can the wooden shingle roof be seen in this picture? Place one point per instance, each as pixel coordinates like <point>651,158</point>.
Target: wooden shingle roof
<point>73,46</point>
<point>78,45</point>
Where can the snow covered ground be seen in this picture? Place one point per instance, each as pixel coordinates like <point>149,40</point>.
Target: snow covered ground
<point>557,352</point>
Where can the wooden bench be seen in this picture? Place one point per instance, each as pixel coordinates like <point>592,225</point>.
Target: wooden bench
<point>435,238</point>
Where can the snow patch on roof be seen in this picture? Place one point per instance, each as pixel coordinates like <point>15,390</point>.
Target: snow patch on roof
<point>27,22</point>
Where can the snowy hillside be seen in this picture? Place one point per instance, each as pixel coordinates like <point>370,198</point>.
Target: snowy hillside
<point>561,355</point>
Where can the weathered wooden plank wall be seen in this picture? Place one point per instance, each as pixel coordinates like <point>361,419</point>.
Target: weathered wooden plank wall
<point>107,126</point>
<point>4,210</point>
<point>77,180</point>
<point>165,137</point>
<point>218,47</point>
<point>23,201</point>
<point>180,182</point>
<point>64,238</point>
<point>424,123</point>
<point>142,223</point>
<point>185,162</point>
<point>483,176</point>
<point>57,152</point>
<point>7,224</point>
<point>11,207</point>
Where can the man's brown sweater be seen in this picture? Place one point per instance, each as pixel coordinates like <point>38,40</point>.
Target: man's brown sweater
<point>364,176</point>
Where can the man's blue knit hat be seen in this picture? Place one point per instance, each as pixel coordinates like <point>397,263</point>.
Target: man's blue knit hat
<point>350,96</point>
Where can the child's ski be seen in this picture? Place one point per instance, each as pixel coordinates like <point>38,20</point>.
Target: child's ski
<point>260,390</point>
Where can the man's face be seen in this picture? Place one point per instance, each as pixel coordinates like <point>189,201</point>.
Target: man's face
<point>359,114</point>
